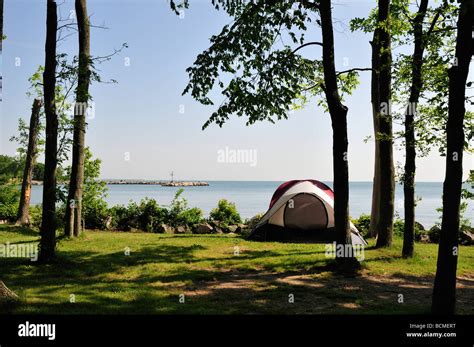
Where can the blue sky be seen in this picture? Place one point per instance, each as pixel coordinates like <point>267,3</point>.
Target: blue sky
<point>142,116</point>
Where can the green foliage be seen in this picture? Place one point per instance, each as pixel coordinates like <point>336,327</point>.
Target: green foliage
<point>260,52</point>
<point>94,206</point>
<point>38,172</point>
<point>146,216</point>
<point>36,212</point>
<point>122,216</point>
<point>468,193</point>
<point>439,40</point>
<point>179,214</point>
<point>149,216</point>
<point>95,192</point>
<point>225,213</point>
<point>11,168</point>
<point>9,200</point>
<point>177,7</point>
<point>399,227</point>
<point>362,224</point>
<point>465,210</point>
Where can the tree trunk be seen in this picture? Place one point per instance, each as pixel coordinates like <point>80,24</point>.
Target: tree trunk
<point>48,225</point>
<point>73,225</point>
<point>24,207</point>
<point>375,99</point>
<point>444,293</point>
<point>338,114</point>
<point>387,170</point>
<point>410,149</point>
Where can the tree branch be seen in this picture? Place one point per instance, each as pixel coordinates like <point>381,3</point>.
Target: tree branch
<point>433,22</point>
<point>307,44</point>
<point>355,69</point>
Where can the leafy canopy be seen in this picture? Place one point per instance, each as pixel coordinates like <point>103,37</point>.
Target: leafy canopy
<point>257,64</point>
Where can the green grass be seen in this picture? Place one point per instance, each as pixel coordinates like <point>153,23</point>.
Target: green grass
<point>95,270</point>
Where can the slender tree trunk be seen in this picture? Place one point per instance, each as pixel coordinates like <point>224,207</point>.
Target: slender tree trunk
<point>375,96</point>
<point>444,293</point>
<point>410,149</point>
<point>24,207</point>
<point>48,225</point>
<point>387,170</point>
<point>74,211</point>
<point>338,114</point>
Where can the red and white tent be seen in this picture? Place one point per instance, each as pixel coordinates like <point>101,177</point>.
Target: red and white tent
<point>301,210</point>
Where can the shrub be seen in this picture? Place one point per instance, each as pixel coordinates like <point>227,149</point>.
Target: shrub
<point>252,222</point>
<point>150,215</point>
<point>9,201</point>
<point>36,212</point>
<point>146,216</point>
<point>94,207</point>
<point>189,217</point>
<point>95,215</point>
<point>362,224</point>
<point>399,227</point>
<point>225,213</point>
<point>121,217</point>
<point>180,215</point>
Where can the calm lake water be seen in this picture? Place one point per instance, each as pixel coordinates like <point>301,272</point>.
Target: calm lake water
<point>254,197</point>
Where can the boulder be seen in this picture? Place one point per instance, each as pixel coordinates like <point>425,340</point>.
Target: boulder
<point>241,228</point>
<point>424,238</point>
<point>218,228</point>
<point>182,229</point>
<point>204,228</point>
<point>466,238</point>
<point>165,229</point>
<point>434,233</point>
<point>232,229</point>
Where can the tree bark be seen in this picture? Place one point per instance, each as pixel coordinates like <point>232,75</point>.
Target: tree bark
<point>48,225</point>
<point>410,149</point>
<point>73,225</point>
<point>338,113</point>
<point>387,170</point>
<point>444,293</point>
<point>375,98</point>
<point>24,207</point>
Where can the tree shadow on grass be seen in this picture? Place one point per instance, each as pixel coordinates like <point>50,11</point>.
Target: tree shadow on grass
<point>102,283</point>
<point>20,230</point>
<point>211,292</point>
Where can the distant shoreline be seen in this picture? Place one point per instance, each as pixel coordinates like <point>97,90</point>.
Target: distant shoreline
<point>147,182</point>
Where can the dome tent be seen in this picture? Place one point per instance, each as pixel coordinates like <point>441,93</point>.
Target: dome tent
<point>301,210</point>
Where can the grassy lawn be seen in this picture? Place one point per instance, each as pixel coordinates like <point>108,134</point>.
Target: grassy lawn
<point>214,280</point>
